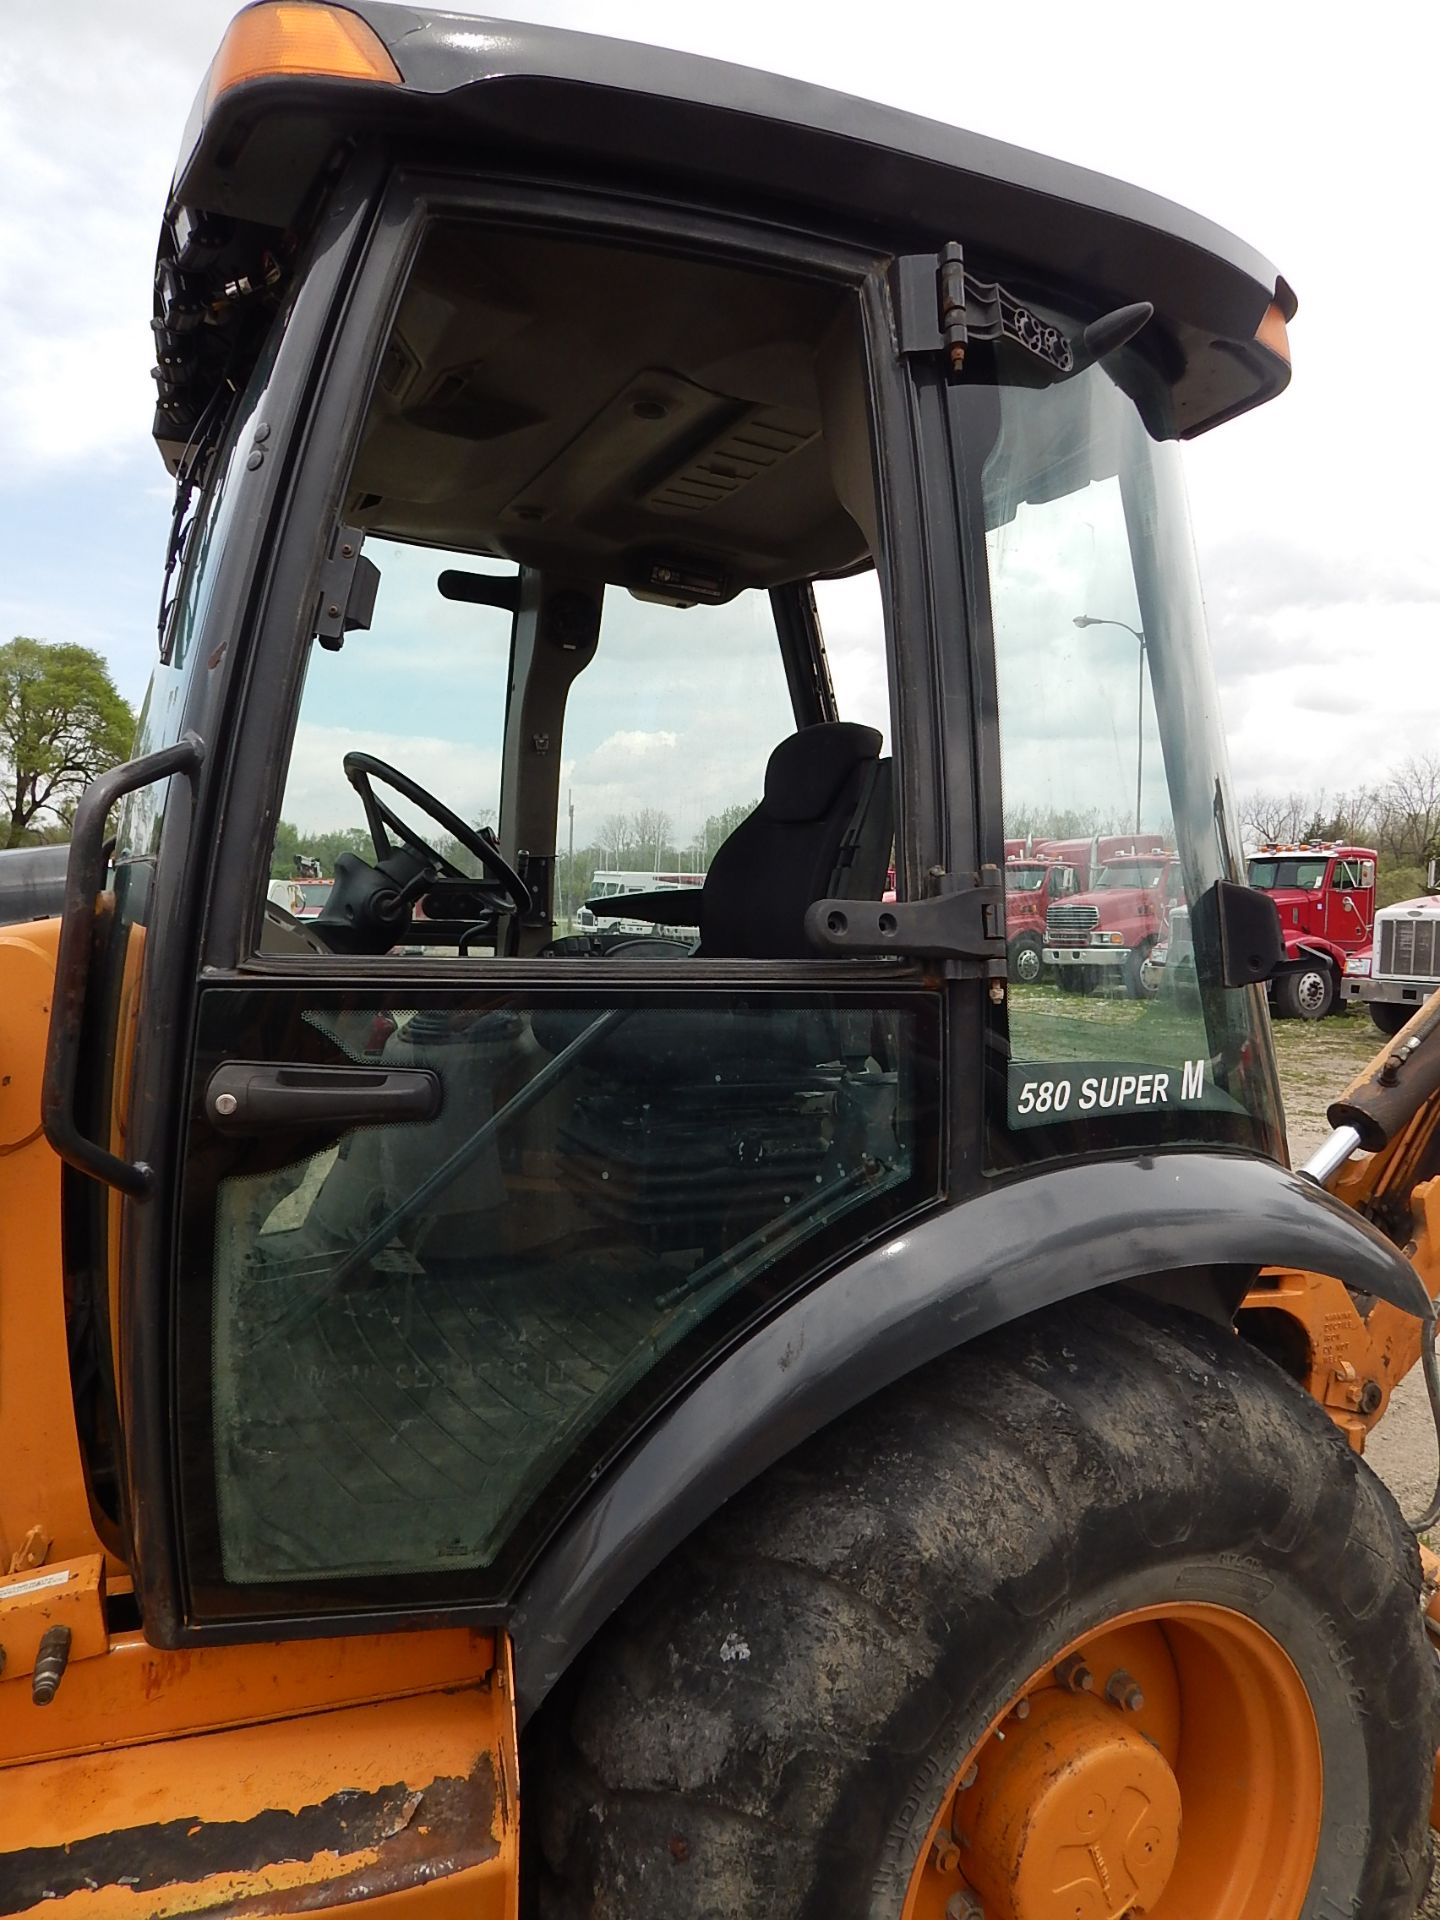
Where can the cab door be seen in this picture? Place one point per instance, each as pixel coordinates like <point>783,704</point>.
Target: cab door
<point>461,1194</point>
<point>1350,902</point>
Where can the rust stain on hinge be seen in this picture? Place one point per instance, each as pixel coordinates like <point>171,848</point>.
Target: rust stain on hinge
<point>402,1835</point>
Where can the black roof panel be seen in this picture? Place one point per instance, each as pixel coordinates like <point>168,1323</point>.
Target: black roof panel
<point>499,94</point>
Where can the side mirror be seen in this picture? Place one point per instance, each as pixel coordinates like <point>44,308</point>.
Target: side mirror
<point>1432,876</point>
<point>1240,927</point>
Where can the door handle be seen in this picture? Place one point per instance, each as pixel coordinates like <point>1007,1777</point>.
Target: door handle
<point>246,1096</point>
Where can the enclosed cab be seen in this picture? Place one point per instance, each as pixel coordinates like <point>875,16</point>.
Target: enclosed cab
<point>1324,892</point>
<point>729,1381</point>
<point>1108,933</point>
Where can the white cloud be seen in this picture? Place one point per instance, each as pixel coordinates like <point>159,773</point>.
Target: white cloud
<point>1314,143</point>
<point>319,798</point>
<point>631,744</point>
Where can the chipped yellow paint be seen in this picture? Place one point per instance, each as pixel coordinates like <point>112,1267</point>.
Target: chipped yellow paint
<point>425,1784</point>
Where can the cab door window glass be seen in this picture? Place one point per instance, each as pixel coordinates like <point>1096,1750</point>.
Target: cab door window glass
<point>419,1330</point>
<point>667,735</point>
<point>422,689</point>
<point>852,618</point>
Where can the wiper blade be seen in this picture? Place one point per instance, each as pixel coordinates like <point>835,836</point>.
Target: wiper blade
<point>189,478</point>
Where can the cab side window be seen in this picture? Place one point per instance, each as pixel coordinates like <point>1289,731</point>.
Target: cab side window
<point>423,689</point>
<point>667,735</point>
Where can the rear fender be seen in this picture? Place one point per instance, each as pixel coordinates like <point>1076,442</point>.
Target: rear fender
<point>1171,1220</point>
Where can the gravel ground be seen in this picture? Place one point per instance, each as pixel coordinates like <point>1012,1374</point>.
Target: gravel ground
<point>1315,1063</point>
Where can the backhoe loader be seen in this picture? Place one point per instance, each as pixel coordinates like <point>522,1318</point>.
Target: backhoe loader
<point>728,1405</point>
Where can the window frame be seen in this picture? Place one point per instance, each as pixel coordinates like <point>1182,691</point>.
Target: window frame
<point>260,756</point>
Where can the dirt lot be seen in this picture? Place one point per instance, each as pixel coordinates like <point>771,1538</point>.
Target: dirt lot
<point>1315,1062</point>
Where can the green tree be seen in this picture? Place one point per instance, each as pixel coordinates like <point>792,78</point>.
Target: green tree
<point>61,723</point>
<point>719,827</point>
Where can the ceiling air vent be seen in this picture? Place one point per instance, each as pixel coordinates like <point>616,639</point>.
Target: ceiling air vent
<point>754,445</point>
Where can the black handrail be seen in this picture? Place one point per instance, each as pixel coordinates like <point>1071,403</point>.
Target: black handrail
<point>84,881</point>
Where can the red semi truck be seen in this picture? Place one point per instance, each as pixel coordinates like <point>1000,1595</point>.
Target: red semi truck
<point>1053,870</point>
<point>1325,894</point>
<point>1110,930</point>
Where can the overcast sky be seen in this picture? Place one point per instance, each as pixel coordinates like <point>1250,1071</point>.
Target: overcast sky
<point>1309,131</point>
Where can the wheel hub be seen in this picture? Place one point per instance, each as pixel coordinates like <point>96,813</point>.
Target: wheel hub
<point>1312,990</point>
<point>1075,1817</point>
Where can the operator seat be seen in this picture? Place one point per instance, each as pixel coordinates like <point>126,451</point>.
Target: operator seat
<point>823,829</point>
<point>695,1126</point>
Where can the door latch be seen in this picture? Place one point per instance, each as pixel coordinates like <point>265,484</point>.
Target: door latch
<point>348,585</point>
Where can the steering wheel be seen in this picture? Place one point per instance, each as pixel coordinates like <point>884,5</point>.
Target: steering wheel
<point>361,769</point>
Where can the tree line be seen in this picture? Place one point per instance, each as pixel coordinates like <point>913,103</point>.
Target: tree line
<point>1399,816</point>
<point>644,841</point>
<point>63,722</point>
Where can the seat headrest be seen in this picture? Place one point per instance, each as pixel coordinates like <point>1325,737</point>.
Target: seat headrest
<point>807,770</point>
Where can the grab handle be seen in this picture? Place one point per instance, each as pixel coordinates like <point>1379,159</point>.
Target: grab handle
<point>84,881</point>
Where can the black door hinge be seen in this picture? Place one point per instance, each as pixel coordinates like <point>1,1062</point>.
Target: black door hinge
<point>348,585</point>
<point>941,308</point>
<point>965,925</point>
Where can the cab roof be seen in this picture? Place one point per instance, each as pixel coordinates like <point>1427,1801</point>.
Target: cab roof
<point>501,95</point>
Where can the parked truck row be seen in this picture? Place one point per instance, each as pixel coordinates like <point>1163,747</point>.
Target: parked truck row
<point>1111,910</point>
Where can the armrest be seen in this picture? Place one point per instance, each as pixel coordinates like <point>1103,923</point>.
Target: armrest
<point>671,906</point>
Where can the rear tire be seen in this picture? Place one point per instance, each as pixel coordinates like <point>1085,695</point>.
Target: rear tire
<point>1306,993</point>
<point>772,1724</point>
<point>1389,1019</point>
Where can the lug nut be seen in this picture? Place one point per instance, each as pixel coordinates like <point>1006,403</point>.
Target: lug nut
<point>1075,1676</point>
<point>1021,1710</point>
<point>50,1664</point>
<point>970,1776</point>
<point>1123,1690</point>
<point>946,1853</point>
<point>963,1906</point>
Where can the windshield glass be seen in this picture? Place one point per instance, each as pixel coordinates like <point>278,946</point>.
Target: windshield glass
<point>1134,873</point>
<point>1024,879</point>
<point>1287,873</point>
<point>1109,725</point>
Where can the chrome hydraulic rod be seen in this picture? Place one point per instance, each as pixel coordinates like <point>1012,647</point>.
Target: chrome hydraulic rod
<point>1330,1156</point>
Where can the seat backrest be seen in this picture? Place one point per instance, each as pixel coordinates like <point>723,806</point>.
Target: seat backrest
<point>823,828</point>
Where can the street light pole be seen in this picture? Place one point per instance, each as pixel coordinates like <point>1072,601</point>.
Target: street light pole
<point>1089,620</point>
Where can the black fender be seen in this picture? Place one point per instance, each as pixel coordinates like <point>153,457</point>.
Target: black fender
<point>951,1276</point>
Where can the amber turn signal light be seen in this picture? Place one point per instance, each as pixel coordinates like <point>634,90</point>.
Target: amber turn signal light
<point>298,37</point>
<point>1273,334</point>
